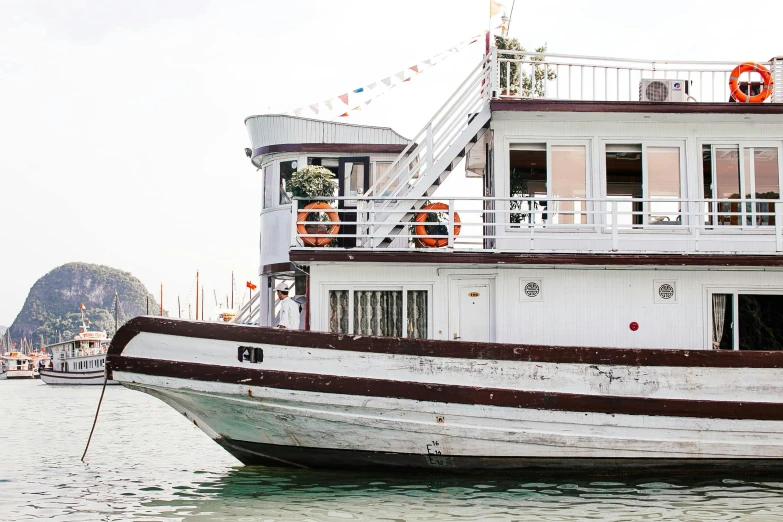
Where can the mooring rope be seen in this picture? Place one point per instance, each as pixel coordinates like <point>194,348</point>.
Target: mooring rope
<point>95,420</point>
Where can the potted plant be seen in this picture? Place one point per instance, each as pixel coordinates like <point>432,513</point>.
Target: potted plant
<point>516,82</point>
<point>309,183</point>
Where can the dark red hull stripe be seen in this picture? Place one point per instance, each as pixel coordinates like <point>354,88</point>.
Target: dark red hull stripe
<point>253,453</point>
<point>439,348</point>
<point>446,393</point>
<point>434,256</point>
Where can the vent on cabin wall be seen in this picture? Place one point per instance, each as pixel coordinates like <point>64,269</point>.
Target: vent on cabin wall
<point>530,290</point>
<point>665,291</point>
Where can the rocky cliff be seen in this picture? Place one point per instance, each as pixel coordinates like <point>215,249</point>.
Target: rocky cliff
<point>51,310</point>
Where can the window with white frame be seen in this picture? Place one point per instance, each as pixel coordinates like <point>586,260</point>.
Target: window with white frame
<point>551,181</point>
<point>741,172</point>
<point>385,312</point>
<point>747,320</point>
<point>644,181</point>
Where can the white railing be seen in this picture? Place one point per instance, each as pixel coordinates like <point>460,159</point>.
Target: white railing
<point>250,313</point>
<point>430,149</point>
<point>525,224</point>
<point>588,78</point>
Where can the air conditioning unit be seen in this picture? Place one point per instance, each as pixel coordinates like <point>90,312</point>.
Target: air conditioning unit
<point>663,90</point>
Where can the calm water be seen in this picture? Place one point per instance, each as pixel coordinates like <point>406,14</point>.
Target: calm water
<point>146,462</point>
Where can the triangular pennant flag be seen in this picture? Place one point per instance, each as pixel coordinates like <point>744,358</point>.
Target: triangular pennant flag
<point>360,89</point>
<point>495,8</point>
<point>387,81</point>
<point>344,98</point>
<point>373,85</point>
<point>314,108</point>
<point>400,76</point>
<point>357,108</point>
<point>415,68</point>
<point>328,104</point>
<point>368,101</point>
<point>343,115</point>
<point>407,79</point>
<point>297,112</point>
<point>427,62</point>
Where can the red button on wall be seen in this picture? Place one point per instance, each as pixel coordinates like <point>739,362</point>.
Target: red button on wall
<point>633,326</point>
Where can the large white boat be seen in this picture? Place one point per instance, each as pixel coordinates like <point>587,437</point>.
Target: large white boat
<point>602,291</point>
<point>81,360</point>
<point>18,365</point>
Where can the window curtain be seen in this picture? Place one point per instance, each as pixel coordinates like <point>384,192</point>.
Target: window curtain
<point>417,314</point>
<point>377,312</point>
<point>338,311</point>
<point>718,318</point>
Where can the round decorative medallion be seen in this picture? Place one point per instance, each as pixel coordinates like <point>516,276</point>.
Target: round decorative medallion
<point>532,289</point>
<point>633,326</point>
<point>666,291</point>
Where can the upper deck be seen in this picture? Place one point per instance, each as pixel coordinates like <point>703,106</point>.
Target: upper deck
<point>545,153</point>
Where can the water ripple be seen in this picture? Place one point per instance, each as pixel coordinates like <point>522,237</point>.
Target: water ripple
<point>148,463</point>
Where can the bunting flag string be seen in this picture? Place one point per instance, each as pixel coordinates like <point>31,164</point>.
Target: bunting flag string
<point>354,98</point>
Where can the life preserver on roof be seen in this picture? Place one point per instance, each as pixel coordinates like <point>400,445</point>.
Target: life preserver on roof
<point>421,230</point>
<point>766,88</point>
<point>332,231</point>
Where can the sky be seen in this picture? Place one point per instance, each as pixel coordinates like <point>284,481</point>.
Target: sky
<point>121,122</point>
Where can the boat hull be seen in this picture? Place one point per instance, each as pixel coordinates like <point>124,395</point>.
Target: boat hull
<point>20,374</point>
<point>321,400</point>
<point>90,377</point>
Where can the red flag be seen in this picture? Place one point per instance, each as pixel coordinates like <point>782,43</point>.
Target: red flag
<point>81,306</point>
<point>251,285</point>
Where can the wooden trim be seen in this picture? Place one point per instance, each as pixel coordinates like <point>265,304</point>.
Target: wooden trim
<point>277,268</point>
<point>449,393</point>
<point>347,148</point>
<point>439,257</point>
<point>635,107</point>
<point>443,348</point>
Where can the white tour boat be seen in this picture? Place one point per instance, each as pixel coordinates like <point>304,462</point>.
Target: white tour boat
<point>18,365</point>
<point>78,361</point>
<point>603,290</point>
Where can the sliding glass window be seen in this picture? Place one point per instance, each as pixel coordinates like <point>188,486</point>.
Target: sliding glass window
<point>741,177</point>
<point>644,181</point>
<point>551,181</point>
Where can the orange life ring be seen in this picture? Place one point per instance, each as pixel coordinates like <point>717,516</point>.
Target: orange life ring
<point>333,230</point>
<point>421,230</point>
<point>766,88</point>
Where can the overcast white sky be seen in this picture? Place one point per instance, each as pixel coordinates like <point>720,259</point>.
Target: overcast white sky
<point>121,122</point>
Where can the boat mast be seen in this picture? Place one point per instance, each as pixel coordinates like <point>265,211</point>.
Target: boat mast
<point>196,295</point>
<point>116,308</point>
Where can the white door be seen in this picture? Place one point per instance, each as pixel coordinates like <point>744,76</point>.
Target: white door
<point>471,315</point>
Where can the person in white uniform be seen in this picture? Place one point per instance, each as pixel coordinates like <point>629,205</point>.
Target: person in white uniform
<point>289,310</point>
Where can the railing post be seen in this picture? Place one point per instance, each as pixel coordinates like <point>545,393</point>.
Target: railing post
<point>429,148</point>
<point>696,221</point>
<point>294,212</point>
<point>615,238</point>
<point>777,76</point>
<point>778,225</point>
<point>451,224</point>
<point>371,225</point>
<point>494,77</point>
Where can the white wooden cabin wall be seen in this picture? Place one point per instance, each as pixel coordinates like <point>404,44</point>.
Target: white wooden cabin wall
<point>580,306</point>
<point>511,127</point>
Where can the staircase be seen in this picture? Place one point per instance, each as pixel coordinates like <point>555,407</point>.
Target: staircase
<point>431,156</point>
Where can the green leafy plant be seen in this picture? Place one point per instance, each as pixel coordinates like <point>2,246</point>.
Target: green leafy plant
<point>313,181</point>
<point>518,81</point>
<point>310,182</point>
